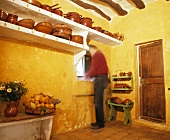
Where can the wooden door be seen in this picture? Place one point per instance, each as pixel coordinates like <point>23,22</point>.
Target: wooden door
<point>152,90</point>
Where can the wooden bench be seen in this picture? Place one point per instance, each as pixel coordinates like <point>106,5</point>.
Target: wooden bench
<point>123,108</point>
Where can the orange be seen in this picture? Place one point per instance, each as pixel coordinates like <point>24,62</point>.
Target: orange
<point>36,102</point>
<point>51,105</point>
<point>47,98</point>
<point>47,106</point>
<point>32,99</point>
<point>42,99</point>
<point>38,105</point>
<point>42,104</point>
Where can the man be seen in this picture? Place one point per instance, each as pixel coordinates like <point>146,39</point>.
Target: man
<point>99,71</point>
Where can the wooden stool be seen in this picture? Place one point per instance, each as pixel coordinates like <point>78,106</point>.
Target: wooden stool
<point>126,109</point>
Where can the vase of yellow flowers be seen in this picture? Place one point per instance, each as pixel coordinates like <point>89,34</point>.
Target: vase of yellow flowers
<point>10,93</point>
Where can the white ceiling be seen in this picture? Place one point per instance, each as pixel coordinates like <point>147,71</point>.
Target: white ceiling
<point>125,4</point>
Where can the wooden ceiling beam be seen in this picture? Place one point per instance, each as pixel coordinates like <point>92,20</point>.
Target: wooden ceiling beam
<point>92,7</point>
<point>139,4</point>
<point>116,7</point>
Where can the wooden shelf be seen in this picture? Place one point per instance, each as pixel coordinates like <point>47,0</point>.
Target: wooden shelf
<point>103,38</point>
<point>27,11</point>
<point>28,35</point>
<point>120,79</point>
<point>121,89</point>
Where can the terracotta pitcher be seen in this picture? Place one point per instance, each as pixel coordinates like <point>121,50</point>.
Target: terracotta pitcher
<point>11,110</point>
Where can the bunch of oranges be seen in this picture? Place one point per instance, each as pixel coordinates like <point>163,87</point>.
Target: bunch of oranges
<point>39,100</point>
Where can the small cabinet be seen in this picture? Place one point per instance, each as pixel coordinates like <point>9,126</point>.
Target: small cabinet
<point>122,83</point>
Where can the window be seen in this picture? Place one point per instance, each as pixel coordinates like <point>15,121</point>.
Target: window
<point>83,65</point>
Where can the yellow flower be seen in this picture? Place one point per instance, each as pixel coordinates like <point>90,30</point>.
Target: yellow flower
<point>9,90</point>
<point>2,87</point>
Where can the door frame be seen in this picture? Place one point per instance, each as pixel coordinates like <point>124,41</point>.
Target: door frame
<point>138,77</point>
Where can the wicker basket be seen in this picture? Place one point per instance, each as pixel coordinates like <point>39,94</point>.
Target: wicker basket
<point>40,111</point>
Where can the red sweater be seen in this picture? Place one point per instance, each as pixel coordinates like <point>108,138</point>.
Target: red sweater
<point>98,65</point>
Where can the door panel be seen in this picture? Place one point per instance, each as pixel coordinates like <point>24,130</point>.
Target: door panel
<point>152,90</point>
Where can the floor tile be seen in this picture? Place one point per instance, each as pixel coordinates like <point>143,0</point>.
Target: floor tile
<point>114,130</point>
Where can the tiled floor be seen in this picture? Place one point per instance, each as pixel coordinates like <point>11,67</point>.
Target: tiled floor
<point>115,130</point>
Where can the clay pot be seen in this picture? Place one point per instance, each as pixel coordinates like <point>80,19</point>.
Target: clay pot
<point>62,30</point>
<point>58,12</point>
<point>43,29</point>
<point>116,35</point>
<point>86,21</point>
<point>98,29</point>
<point>11,109</point>
<point>12,18</point>
<point>77,39</point>
<point>121,37</point>
<point>129,73</point>
<point>34,2</point>
<point>28,23</point>
<point>45,24</point>
<point>122,74</point>
<point>73,14</point>
<point>126,101</point>
<point>107,33</point>
<point>47,7</point>
<point>116,100</point>
<point>3,15</point>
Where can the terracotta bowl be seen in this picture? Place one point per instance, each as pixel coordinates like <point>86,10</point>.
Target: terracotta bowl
<point>28,23</point>
<point>73,14</point>
<point>77,39</point>
<point>12,18</point>
<point>107,33</point>
<point>61,35</point>
<point>62,28</point>
<point>98,29</point>
<point>86,21</point>
<point>58,12</point>
<point>47,7</point>
<point>122,74</point>
<point>73,18</point>
<point>3,15</point>
<point>45,24</point>
<point>43,29</point>
<point>126,101</point>
<point>34,2</point>
<point>116,35</point>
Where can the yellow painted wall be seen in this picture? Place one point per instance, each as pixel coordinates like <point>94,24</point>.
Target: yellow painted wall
<point>151,23</point>
<point>52,71</point>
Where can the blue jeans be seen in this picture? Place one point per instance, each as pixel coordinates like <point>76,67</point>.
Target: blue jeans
<point>100,83</point>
